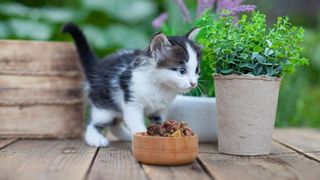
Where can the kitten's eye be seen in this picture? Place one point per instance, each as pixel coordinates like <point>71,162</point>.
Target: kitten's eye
<point>197,70</point>
<point>182,71</point>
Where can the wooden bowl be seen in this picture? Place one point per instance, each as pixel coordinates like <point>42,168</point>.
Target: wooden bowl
<point>165,150</point>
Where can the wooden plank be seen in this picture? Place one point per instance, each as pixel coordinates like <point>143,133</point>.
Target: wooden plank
<point>305,141</point>
<point>41,89</point>
<point>46,159</point>
<point>29,82</point>
<point>213,148</point>
<point>52,58</point>
<point>41,121</point>
<point>191,171</point>
<point>116,162</point>
<point>6,142</point>
<point>281,165</point>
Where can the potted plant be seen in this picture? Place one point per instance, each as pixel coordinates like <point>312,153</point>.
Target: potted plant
<point>249,59</point>
<point>198,107</point>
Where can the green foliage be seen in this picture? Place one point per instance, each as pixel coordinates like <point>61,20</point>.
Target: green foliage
<point>250,47</point>
<point>108,25</point>
<point>299,96</point>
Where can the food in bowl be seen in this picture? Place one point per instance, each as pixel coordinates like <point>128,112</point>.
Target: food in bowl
<point>170,128</point>
<point>171,143</point>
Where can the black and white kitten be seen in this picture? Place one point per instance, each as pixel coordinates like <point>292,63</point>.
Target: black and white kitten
<point>131,84</point>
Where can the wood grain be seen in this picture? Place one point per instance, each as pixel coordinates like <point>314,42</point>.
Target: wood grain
<point>41,82</point>
<point>305,141</point>
<point>185,172</point>
<point>20,57</point>
<point>72,159</point>
<point>116,162</point>
<point>45,159</point>
<point>41,89</point>
<point>41,121</point>
<point>165,151</point>
<point>284,164</point>
<point>5,142</point>
<point>212,148</point>
<point>27,89</point>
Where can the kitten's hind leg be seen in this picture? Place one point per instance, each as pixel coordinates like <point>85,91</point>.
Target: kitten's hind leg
<point>99,118</point>
<point>120,131</point>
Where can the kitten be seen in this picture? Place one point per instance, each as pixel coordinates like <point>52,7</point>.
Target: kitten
<point>131,84</point>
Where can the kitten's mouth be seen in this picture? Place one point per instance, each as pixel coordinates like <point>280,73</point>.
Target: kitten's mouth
<point>186,90</point>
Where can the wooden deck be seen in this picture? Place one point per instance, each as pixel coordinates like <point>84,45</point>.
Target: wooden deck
<point>295,155</point>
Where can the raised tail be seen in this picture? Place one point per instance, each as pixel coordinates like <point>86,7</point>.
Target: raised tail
<point>86,55</point>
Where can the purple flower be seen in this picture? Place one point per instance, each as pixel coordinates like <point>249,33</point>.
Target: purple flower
<point>158,21</point>
<point>184,10</point>
<point>204,5</point>
<point>242,8</point>
<point>235,7</point>
<point>228,4</point>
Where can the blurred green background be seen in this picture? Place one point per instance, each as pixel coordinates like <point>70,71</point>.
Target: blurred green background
<point>115,24</point>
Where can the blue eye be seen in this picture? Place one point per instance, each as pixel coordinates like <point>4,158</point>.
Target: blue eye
<point>182,71</point>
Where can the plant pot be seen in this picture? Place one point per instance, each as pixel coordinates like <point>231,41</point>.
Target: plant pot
<point>246,111</point>
<point>199,113</point>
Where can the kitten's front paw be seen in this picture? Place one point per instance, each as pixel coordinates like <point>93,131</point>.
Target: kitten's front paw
<point>96,140</point>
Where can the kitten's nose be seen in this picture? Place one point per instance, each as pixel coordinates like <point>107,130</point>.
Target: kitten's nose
<point>193,84</point>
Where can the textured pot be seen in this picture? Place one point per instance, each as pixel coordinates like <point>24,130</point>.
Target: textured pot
<point>246,111</point>
<point>199,113</point>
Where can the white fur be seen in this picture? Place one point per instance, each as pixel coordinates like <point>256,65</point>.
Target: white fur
<point>94,138</point>
<point>98,116</point>
<point>102,116</point>
<point>174,80</point>
<point>121,132</point>
<point>192,65</point>
<point>133,117</point>
<point>153,90</point>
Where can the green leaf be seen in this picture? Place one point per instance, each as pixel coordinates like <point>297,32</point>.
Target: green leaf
<point>244,55</point>
<point>257,69</point>
<point>257,49</point>
<point>261,59</point>
<point>268,52</point>
<point>226,51</point>
<point>247,65</point>
<point>254,55</point>
<point>269,43</point>
<point>228,71</point>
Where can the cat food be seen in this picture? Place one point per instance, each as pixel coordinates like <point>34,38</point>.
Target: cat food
<point>170,128</point>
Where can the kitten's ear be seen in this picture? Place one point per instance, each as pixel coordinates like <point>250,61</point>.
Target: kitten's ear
<point>192,34</point>
<point>159,40</point>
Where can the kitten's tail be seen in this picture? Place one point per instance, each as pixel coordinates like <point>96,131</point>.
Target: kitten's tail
<point>86,55</point>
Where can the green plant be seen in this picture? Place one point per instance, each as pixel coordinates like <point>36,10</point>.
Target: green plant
<point>109,26</point>
<point>250,47</point>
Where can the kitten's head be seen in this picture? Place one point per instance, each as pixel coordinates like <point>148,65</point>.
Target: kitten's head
<point>177,60</point>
